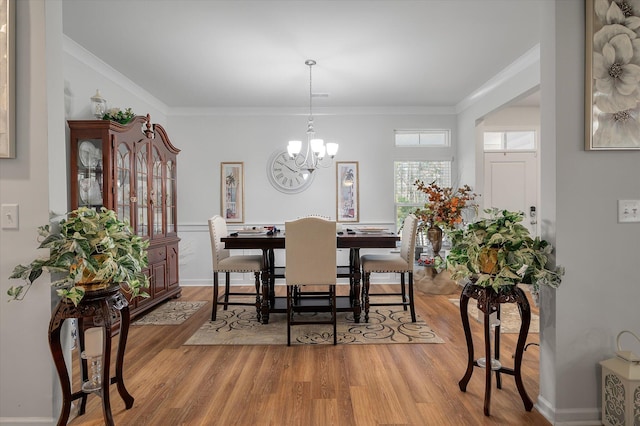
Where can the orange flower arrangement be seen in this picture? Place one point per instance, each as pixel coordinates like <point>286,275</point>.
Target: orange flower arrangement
<point>445,204</point>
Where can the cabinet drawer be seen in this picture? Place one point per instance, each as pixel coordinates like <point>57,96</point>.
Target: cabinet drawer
<point>157,255</point>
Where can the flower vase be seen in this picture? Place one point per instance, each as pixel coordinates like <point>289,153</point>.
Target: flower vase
<point>434,234</point>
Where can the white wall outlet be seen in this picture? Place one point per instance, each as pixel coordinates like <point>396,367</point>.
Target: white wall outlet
<point>628,211</point>
<point>9,217</point>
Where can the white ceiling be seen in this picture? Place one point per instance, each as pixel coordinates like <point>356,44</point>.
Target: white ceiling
<point>242,53</point>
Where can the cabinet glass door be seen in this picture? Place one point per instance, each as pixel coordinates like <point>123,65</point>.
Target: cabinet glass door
<point>170,198</point>
<point>157,199</point>
<point>142,176</point>
<point>123,183</point>
<point>90,176</point>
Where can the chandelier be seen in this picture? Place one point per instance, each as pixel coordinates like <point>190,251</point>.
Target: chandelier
<point>317,153</point>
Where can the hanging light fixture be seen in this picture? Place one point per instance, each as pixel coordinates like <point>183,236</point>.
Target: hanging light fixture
<point>317,151</point>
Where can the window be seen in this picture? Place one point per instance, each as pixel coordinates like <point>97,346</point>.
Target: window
<point>422,138</point>
<point>407,197</point>
<point>510,141</point>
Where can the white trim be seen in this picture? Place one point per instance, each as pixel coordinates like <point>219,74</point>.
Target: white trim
<point>529,58</point>
<point>28,420</point>
<point>340,111</point>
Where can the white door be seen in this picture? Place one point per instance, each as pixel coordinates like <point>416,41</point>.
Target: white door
<point>511,183</point>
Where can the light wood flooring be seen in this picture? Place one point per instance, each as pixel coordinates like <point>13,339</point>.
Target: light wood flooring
<point>364,385</point>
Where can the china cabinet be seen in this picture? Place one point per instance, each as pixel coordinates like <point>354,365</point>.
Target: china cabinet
<point>131,169</point>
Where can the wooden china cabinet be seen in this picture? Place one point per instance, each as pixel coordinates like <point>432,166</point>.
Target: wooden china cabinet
<point>131,169</point>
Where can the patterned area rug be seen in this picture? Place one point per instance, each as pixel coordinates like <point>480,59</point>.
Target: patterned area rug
<point>170,313</point>
<point>509,317</point>
<point>239,326</point>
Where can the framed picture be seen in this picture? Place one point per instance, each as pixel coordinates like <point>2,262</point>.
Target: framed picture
<point>7,79</point>
<point>347,191</point>
<point>612,85</point>
<point>232,192</point>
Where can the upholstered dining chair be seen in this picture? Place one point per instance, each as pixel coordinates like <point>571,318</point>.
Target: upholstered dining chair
<point>223,262</point>
<point>310,250</point>
<point>401,264</point>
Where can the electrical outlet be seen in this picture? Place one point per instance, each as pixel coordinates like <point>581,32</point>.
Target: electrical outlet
<point>9,217</point>
<point>628,211</point>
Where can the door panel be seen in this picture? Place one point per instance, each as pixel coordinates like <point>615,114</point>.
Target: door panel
<point>511,182</point>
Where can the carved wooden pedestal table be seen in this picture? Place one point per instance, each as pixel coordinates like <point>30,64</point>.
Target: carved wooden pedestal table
<point>488,302</point>
<point>101,307</point>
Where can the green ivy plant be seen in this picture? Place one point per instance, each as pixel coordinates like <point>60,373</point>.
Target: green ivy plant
<point>117,115</point>
<point>93,247</point>
<point>498,252</point>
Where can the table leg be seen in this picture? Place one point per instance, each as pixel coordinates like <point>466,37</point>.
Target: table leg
<point>267,274</point>
<point>464,303</point>
<point>354,280</point>
<point>496,347</point>
<point>487,368</point>
<point>58,359</point>
<point>106,363</point>
<point>125,319</point>
<point>525,317</point>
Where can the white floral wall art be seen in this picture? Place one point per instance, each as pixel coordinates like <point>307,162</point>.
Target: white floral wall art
<point>612,80</point>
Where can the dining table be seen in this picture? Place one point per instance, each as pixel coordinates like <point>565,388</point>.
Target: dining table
<point>268,242</point>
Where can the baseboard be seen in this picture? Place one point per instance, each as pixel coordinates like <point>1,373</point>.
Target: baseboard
<point>568,417</point>
<point>35,421</point>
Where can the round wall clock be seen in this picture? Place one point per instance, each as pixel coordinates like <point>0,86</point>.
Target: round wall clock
<point>284,175</point>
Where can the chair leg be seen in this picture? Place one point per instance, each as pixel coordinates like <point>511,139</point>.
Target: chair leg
<point>411,304</point>
<point>334,314</point>
<point>289,313</point>
<point>227,277</point>
<point>214,310</point>
<point>365,294</point>
<point>403,290</point>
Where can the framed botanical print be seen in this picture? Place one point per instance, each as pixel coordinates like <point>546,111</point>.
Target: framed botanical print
<point>7,79</point>
<point>612,77</point>
<point>232,192</point>
<point>347,196</point>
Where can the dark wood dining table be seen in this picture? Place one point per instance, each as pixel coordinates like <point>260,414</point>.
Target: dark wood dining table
<point>269,303</point>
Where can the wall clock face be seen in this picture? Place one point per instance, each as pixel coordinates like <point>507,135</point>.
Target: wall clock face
<point>285,176</point>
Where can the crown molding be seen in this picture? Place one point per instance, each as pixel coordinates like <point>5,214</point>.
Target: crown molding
<point>327,111</point>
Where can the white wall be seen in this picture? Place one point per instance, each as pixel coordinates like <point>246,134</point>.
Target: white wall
<point>84,73</point>
<point>26,370</point>
<point>600,294</point>
<point>207,140</point>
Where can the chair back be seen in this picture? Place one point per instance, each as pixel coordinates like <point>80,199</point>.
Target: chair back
<point>408,246</point>
<point>217,230</point>
<point>310,249</point>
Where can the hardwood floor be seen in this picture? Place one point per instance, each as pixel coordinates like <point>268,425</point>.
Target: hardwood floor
<point>363,385</point>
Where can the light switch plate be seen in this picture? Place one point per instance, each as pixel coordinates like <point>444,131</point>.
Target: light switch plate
<point>9,214</point>
<point>628,211</point>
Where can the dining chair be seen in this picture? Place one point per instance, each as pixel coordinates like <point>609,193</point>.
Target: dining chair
<point>223,262</point>
<point>399,263</point>
<point>310,250</point>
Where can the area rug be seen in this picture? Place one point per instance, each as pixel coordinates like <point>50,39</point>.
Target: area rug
<point>170,313</point>
<point>509,317</point>
<point>240,326</point>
